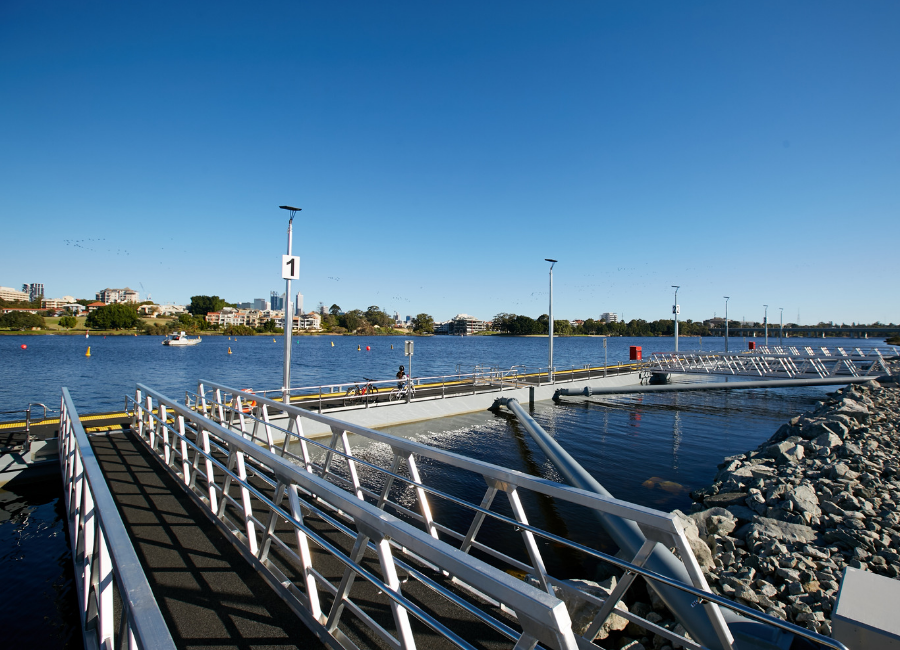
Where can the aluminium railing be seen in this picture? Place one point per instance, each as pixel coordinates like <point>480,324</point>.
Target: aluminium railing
<point>108,574</point>
<point>378,483</point>
<point>251,491</point>
<point>344,395</point>
<point>778,363</point>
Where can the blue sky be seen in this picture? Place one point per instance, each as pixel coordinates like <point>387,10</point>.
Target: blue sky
<point>441,151</point>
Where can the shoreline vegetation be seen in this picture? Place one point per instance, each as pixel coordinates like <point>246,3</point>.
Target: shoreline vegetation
<point>123,319</point>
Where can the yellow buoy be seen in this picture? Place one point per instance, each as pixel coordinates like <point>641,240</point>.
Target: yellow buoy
<point>332,344</point>
<point>229,350</point>
<point>274,341</point>
<point>358,348</point>
<point>88,353</point>
<point>392,346</point>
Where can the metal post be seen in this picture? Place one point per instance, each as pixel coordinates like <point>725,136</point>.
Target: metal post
<point>781,326</point>
<point>288,316</point>
<point>550,366</point>
<point>675,311</point>
<point>726,323</point>
<point>766,323</point>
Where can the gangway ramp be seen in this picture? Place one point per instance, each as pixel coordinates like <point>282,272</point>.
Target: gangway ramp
<point>207,592</point>
<point>789,362</point>
<point>245,544</point>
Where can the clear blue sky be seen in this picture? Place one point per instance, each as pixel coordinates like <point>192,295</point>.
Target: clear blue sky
<point>440,151</point>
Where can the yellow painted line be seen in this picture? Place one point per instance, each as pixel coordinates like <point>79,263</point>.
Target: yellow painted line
<point>86,418</point>
<point>458,382</point>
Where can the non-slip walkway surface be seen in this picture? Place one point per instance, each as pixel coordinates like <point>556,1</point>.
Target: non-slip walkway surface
<point>208,593</point>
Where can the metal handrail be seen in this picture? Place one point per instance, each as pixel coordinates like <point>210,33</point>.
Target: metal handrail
<point>102,551</point>
<point>497,478</point>
<point>793,363</point>
<point>342,395</point>
<point>214,448</point>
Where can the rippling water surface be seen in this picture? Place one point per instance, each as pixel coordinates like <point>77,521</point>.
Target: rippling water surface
<point>117,363</point>
<point>37,591</point>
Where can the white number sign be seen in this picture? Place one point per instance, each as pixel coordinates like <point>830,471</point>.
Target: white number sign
<point>290,267</point>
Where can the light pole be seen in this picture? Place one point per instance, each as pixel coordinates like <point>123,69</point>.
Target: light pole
<point>766,323</point>
<point>781,326</point>
<point>675,311</point>
<point>726,323</point>
<point>550,367</point>
<point>288,316</point>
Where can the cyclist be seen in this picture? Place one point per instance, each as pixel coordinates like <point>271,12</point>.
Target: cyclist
<point>401,377</point>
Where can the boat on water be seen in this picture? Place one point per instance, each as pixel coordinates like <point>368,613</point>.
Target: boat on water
<point>180,339</point>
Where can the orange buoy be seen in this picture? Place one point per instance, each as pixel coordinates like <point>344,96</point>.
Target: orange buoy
<point>229,350</point>
<point>88,353</point>
<point>24,346</point>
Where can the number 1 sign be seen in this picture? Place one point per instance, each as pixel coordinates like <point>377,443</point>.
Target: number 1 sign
<point>290,267</point>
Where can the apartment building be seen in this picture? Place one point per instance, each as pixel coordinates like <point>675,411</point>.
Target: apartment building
<point>109,296</point>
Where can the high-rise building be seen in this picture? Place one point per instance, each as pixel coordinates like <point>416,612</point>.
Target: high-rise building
<point>34,291</point>
<point>276,302</point>
<point>260,303</point>
<point>609,317</point>
<point>298,309</point>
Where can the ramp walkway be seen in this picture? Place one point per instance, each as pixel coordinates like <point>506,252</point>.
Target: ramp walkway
<point>207,593</point>
<point>191,531</point>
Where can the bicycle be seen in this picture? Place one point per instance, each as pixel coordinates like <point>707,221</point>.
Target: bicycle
<point>354,394</point>
<point>400,393</point>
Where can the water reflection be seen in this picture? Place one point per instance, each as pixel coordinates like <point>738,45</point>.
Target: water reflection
<point>37,589</point>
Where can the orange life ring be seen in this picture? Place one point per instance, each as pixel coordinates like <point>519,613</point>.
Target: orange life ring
<point>246,405</point>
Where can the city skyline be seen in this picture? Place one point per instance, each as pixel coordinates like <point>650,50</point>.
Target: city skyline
<point>439,158</point>
<point>259,304</point>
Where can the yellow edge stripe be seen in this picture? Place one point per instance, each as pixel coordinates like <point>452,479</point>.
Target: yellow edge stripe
<point>295,398</point>
<point>85,418</point>
<point>301,398</point>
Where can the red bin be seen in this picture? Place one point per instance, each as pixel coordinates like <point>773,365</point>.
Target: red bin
<point>634,353</point>
<point>752,345</point>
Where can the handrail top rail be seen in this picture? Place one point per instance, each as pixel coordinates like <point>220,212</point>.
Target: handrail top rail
<point>643,515</point>
<point>538,370</point>
<point>149,626</point>
<point>524,598</point>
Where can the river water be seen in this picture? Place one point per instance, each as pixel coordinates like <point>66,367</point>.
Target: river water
<point>650,449</point>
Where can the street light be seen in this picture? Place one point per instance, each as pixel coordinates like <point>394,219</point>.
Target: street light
<point>726,323</point>
<point>550,367</point>
<point>288,316</point>
<point>781,326</point>
<point>675,311</point>
<point>766,323</point>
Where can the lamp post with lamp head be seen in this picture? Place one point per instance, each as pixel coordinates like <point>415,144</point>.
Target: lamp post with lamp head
<point>290,269</point>
<point>550,366</point>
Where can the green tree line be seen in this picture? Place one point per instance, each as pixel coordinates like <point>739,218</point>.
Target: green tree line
<point>522,325</point>
<point>372,321</point>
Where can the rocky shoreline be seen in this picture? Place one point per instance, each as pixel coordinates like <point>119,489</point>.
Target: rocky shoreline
<point>780,523</point>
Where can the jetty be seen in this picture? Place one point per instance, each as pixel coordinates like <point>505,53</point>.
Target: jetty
<point>235,518</point>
